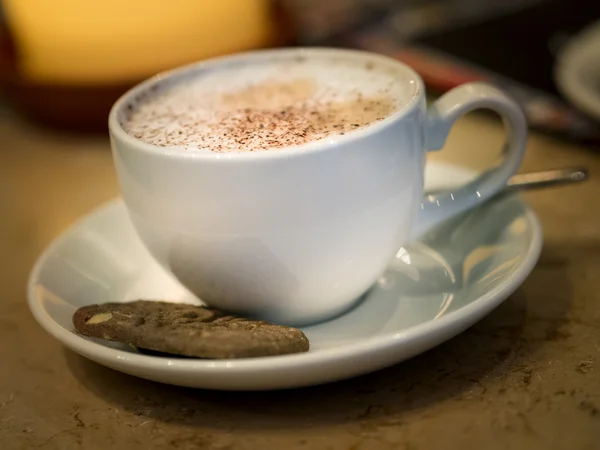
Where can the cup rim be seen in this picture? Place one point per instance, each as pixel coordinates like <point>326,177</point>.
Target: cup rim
<point>117,131</point>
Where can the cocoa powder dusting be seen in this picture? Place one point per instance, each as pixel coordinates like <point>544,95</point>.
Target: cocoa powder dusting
<point>263,116</point>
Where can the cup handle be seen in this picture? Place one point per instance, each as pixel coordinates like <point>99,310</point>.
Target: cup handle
<point>440,118</point>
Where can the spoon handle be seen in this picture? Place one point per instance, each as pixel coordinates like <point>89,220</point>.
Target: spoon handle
<point>548,178</point>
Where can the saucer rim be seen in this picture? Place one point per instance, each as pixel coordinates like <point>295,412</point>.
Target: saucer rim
<point>455,321</point>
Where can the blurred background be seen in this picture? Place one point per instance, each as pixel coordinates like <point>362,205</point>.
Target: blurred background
<point>63,63</point>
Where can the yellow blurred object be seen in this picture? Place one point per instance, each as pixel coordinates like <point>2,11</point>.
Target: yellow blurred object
<point>110,41</point>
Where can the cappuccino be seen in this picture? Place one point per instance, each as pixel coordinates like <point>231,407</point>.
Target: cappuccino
<point>266,105</point>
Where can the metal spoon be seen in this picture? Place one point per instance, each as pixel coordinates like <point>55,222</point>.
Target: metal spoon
<point>545,179</point>
<point>540,180</point>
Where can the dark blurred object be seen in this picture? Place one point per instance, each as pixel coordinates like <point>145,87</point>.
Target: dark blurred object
<point>70,86</point>
<point>521,45</point>
<point>509,43</point>
<point>320,21</point>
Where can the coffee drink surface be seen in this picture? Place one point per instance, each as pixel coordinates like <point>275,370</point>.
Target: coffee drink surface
<point>266,105</point>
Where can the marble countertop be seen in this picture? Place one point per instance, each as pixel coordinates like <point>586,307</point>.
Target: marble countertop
<point>527,376</point>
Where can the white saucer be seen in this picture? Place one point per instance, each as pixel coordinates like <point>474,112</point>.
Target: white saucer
<point>577,70</point>
<point>433,290</point>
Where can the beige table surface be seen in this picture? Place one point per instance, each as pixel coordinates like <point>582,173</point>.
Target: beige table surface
<point>526,377</point>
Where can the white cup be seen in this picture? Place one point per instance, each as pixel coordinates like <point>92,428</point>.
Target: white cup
<point>297,235</point>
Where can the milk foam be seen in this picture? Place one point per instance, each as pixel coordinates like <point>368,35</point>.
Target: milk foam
<point>266,105</point>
